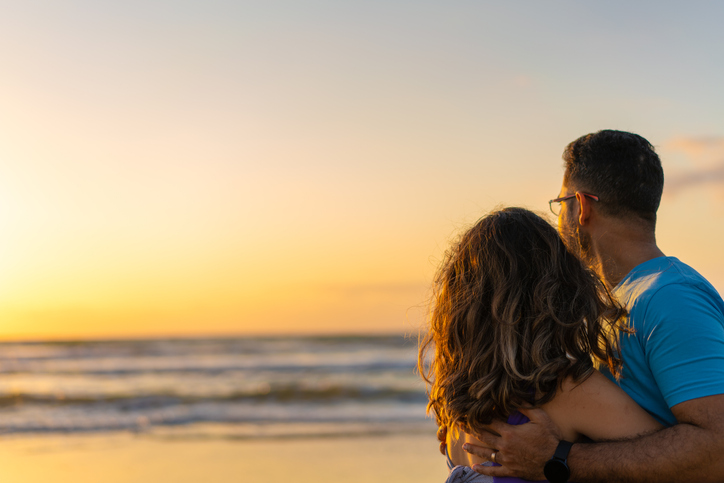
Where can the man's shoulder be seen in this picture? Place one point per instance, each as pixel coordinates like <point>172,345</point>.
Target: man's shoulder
<point>665,285</point>
<point>660,278</point>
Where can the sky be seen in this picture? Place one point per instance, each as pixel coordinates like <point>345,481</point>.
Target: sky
<point>189,168</point>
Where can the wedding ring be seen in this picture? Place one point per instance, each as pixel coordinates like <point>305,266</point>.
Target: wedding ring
<point>492,456</point>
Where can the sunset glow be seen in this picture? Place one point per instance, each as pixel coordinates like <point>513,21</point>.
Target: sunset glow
<point>235,168</point>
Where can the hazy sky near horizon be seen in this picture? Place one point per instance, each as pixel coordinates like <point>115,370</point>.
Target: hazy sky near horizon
<point>219,167</point>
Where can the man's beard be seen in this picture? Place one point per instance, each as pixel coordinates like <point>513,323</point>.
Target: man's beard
<point>578,242</point>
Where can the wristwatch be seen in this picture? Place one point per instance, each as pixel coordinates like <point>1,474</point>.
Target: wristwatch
<point>556,469</point>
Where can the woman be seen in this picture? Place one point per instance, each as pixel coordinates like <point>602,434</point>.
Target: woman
<point>517,321</point>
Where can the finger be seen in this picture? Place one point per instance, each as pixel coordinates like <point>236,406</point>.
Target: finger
<point>496,426</point>
<point>480,451</point>
<point>465,429</point>
<point>442,437</point>
<point>492,470</point>
<point>491,440</point>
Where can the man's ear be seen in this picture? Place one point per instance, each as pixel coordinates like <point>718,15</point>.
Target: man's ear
<point>584,213</point>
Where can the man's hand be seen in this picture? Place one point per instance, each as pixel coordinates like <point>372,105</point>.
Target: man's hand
<point>442,437</point>
<point>522,450</point>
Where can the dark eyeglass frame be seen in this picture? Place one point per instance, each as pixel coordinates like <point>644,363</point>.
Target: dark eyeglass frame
<point>565,198</point>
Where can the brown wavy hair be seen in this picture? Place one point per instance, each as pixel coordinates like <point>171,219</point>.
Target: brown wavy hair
<point>513,313</point>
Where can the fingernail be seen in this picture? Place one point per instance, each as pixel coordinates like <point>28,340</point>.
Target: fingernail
<point>466,447</point>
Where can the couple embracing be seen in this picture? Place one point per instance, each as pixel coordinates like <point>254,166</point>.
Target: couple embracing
<point>589,356</point>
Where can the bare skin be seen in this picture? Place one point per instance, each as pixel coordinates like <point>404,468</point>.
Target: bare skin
<point>688,451</point>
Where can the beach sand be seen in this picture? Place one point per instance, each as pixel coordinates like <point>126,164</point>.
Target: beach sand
<point>146,458</point>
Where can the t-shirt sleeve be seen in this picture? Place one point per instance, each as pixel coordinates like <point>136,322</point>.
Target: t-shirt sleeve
<point>684,343</point>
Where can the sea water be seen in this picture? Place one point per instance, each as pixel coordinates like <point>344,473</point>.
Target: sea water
<point>234,387</point>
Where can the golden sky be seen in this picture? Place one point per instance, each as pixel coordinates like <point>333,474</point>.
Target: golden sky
<point>229,167</point>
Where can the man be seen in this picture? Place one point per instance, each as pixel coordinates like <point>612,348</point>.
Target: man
<point>673,363</point>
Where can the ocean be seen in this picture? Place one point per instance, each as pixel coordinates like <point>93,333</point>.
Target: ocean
<point>245,388</point>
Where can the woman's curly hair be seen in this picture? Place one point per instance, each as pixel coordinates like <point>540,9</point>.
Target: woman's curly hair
<point>513,314</point>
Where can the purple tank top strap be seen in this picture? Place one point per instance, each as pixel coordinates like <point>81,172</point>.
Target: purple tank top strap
<point>517,419</point>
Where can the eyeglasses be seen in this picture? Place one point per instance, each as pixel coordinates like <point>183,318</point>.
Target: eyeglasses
<point>555,205</point>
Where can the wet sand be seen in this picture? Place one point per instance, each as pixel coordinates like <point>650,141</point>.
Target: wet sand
<point>146,458</point>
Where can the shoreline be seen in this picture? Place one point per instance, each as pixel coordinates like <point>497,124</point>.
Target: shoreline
<point>124,457</point>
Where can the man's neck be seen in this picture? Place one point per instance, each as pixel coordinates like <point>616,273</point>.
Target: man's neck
<point>618,248</point>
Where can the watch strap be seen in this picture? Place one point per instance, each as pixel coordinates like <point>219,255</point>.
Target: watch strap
<point>564,447</point>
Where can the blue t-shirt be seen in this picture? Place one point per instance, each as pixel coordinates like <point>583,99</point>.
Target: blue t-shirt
<point>677,351</point>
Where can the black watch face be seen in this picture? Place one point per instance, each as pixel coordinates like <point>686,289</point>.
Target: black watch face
<point>556,471</point>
